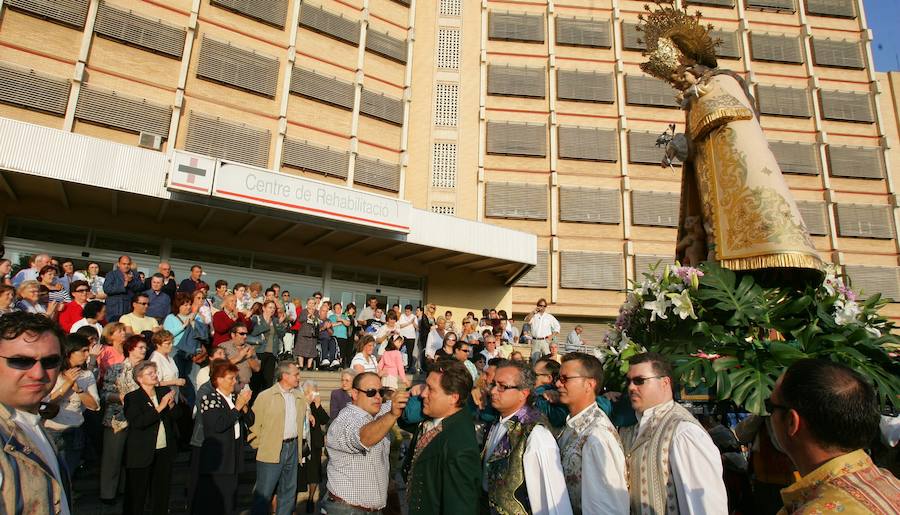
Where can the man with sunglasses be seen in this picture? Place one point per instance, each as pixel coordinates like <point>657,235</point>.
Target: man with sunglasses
<point>31,474</point>
<point>544,328</point>
<point>359,448</point>
<point>522,471</point>
<point>688,477</point>
<point>824,416</point>
<point>242,354</point>
<point>590,449</point>
<point>138,321</point>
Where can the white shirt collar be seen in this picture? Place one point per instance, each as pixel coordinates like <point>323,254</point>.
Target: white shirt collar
<point>572,420</point>
<point>31,419</point>
<point>647,415</point>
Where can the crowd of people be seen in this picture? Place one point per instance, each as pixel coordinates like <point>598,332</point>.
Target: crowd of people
<point>137,371</point>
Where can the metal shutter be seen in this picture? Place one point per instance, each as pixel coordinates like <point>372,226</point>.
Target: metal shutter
<point>129,28</point>
<point>212,136</point>
<point>591,205</point>
<point>632,39</point>
<point>516,26</point>
<point>859,162</point>
<point>588,143</point>
<point>864,221</point>
<point>123,112</point>
<point>272,12</point>
<point>315,158</point>
<point>730,48</point>
<point>839,8</point>
<point>869,280</point>
<point>68,12</point>
<point>517,81</point>
<point>377,174</point>
<point>583,32</point>
<point>846,106</point>
<point>28,88</point>
<point>649,91</point>
<point>778,5</point>
<point>517,139</point>
<point>515,200</point>
<point>538,275</point>
<point>717,3</point>
<point>642,148</point>
<point>654,208</point>
<point>334,25</point>
<point>381,106</point>
<point>243,69</point>
<point>783,101</point>
<point>838,53</point>
<point>802,158</point>
<point>587,86</point>
<point>386,45</point>
<point>814,216</point>
<point>643,262</point>
<point>316,86</point>
<point>592,270</point>
<point>768,47</point>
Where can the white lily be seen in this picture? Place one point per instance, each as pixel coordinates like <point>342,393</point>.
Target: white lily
<point>658,307</point>
<point>847,312</point>
<point>682,305</point>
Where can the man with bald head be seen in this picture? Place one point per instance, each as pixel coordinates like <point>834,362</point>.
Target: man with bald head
<point>31,474</point>
<point>37,262</point>
<point>824,416</point>
<point>120,286</point>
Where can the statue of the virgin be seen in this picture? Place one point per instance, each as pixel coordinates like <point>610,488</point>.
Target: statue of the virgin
<point>736,208</point>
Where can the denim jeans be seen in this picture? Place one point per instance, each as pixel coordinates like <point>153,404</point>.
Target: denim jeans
<point>185,364</point>
<point>330,507</point>
<point>277,478</point>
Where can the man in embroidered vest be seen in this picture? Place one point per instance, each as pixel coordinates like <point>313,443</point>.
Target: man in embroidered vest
<point>442,469</point>
<point>32,478</point>
<point>592,455</point>
<point>522,471</point>
<point>673,464</point>
<point>823,415</point>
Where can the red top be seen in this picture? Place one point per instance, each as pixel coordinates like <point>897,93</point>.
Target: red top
<point>71,313</point>
<point>222,324</point>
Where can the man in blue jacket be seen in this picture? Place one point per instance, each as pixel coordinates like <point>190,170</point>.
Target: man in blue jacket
<point>120,286</point>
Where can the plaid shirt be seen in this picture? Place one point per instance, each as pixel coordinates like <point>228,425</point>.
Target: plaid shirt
<point>357,474</point>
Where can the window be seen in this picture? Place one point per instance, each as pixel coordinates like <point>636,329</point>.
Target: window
<point>538,276</point>
<point>448,49</point>
<point>730,48</point>
<point>520,139</point>
<point>113,109</point>
<point>446,104</point>
<point>590,205</point>
<point>864,221</point>
<point>837,8</point>
<point>28,88</point>
<point>272,12</point>
<point>782,49</point>
<point>516,200</point>
<point>516,26</point>
<point>68,12</point>
<point>331,90</point>
<point>859,162</point>
<point>649,91</point>
<point>642,148</point>
<point>518,81</point>
<point>838,53</point>
<point>795,157</point>
<point>778,101</point>
<point>131,29</point>
<point>632,38</point>
<point>847,106</point>
<point>443,173</point>
<point>814,216</point>
<point>330,24</point>
<point>587,32</point>
<point>213,136</point>
<point>592,270</point>
<point>869,280</point>
<point>776,5</point>
<point>244,69</point>
<point>311,157</point>
<point>654,208</point>
<point>585,86</point>
<point>381,106</point>
<point>588,143</point>
<point>386,45</point>
<point>377,174</point>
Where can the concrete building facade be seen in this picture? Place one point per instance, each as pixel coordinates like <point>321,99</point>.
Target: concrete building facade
<point>517,136</point>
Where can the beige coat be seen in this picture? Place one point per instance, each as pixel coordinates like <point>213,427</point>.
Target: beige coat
<point>267,431</point>
<point>28,485</point>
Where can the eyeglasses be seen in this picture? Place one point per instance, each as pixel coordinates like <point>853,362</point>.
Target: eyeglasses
<point>26,363</point>
<point>771,406</point>
<point>542,305</point>
<point>142,303</point>
<point>503,387</point>
<point>639,381</point>
<point>539,374</point>
<point>381,392</point>
<point>82,290</point>
<point>566,379</point>
<point>241,333</point>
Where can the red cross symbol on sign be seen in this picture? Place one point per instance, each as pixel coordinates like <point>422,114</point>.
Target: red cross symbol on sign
<point>192,170</point>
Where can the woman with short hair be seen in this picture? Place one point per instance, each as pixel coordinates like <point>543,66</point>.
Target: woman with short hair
<point>150,445</point>
<point>340,397</point>
<point>226,418</point>
<point>7,299</point>
<point>29,293</point>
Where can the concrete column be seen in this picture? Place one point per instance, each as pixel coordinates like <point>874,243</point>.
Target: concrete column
<point>357,91</point>
<point>78,76</point>
<point>407,97</point>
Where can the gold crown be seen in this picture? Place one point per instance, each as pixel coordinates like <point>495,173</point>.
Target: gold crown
<point>673,35</point>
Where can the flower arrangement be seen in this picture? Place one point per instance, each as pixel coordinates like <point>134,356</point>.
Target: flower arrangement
<point>735,337</point>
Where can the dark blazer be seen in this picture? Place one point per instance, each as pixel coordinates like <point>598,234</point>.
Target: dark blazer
<point>446,476</point>
<point>119,294</point>
<point>221,452</point>
<point>143,426</point>
<point>317,430</point>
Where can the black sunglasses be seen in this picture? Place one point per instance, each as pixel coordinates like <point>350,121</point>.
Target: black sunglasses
<point>565,379</point>
<point>26,363</point>
<point>771,406</point>
<point>639,381</point>
<point>373,392</point>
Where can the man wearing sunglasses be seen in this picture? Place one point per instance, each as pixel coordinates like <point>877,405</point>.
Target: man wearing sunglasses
<point>242,354</point>
<point>591,453</point>
<point>692,467</point>
<point>824,416</point>
<point>359,448</point>
<point>30,471</point>
<point>544,328</point>
<point>522,471</point>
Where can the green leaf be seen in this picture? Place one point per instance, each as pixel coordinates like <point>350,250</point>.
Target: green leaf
<point>785,353</point>
<point>724,363</point>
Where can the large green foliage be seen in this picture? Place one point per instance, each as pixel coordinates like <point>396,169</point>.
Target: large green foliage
<point>742,336</point>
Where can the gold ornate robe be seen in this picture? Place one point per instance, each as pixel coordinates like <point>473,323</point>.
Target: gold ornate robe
<point>733,182</point>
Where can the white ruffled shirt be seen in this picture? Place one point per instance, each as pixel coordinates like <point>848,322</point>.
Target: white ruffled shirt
<point>696,467</point>
<point>544,478</point>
